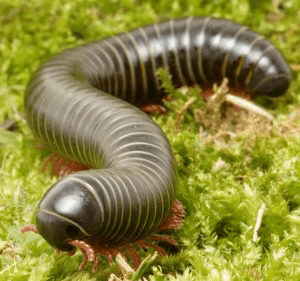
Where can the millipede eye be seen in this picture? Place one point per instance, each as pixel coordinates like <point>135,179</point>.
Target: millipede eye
<point>72,231</point>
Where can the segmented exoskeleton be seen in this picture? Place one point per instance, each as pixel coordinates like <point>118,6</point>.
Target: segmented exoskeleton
<point>73,104</point>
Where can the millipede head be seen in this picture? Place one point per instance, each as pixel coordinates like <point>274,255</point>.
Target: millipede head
<point>67,212</point>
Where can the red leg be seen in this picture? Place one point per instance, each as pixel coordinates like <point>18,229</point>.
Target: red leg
<point>207,93</point>
<point>134,256</point>
<point>154,105</point>
<point>144,244</point>
<point>174,220</point>
<point>153,108</point>
<point>163,238</point>
<point>28,228</point>
<point>61,166</point>
<point>87,252</point>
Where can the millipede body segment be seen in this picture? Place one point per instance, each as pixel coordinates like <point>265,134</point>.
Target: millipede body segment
<point>79,103</point>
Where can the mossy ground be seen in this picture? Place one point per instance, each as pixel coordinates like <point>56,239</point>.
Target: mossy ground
<point>224,176</point>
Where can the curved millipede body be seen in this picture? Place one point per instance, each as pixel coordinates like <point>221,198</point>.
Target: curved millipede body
<point>79,104</point>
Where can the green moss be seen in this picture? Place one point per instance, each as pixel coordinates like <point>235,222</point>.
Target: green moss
<point>222,184</point>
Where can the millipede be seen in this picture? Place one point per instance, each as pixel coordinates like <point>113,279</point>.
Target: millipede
<point>81,105</point>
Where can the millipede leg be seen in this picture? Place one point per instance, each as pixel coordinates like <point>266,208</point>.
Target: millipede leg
<point>62,166</point>
<point>174,220</point>
<point>28,228</point>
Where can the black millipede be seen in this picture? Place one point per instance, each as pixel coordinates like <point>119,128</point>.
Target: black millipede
<point>80,104</point>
